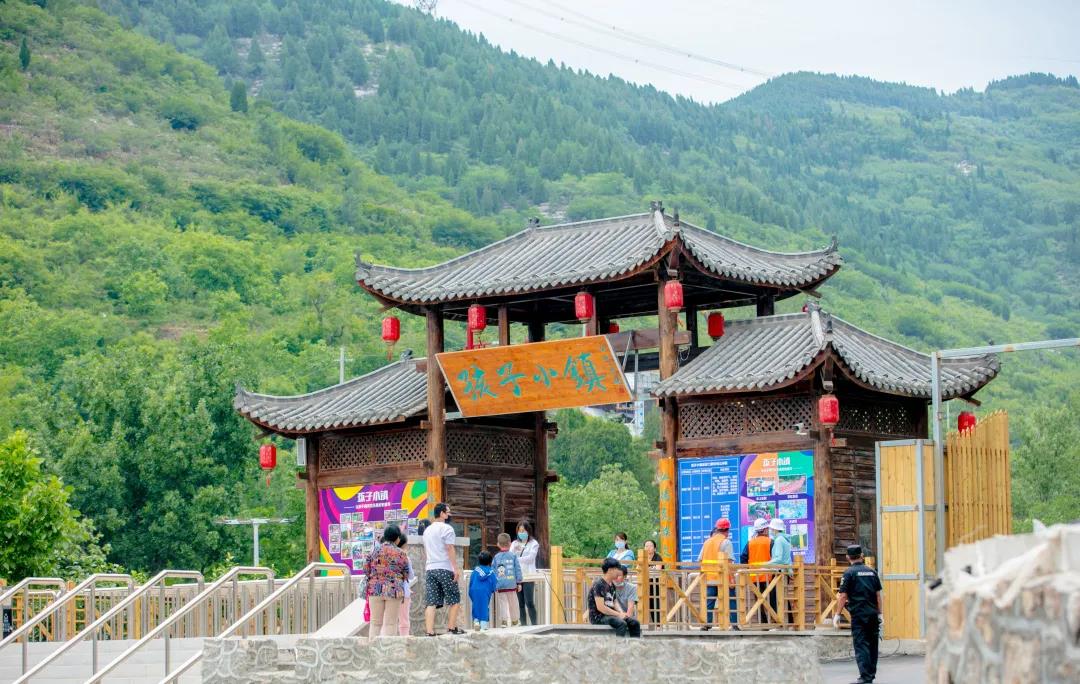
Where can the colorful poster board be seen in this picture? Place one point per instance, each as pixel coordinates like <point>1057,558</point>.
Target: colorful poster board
<point>744,487</point>
<point>581,371</point>
<point>352,518</point>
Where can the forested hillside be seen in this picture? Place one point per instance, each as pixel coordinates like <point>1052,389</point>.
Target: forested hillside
<point>168,228</point>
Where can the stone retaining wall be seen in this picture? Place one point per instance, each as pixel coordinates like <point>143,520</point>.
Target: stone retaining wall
<point>1008,610</point>
<point>495,656</point>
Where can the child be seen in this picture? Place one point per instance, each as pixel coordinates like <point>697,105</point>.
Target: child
<point>481,587</point>
<point>508,572</point>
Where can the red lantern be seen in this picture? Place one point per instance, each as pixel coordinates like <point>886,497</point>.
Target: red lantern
<point>391,330</point>
<point>965,421</point>
<point>612,328</point>
<point>828,410</point>
<point>673,296</point>
<point>477,318</point>
<point>715,322</point>
<point>584,307</point>
<point>267,459</point>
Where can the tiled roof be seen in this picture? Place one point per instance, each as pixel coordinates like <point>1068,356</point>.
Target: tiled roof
<point>765,353</point>
<point>570,254</point>
<point>390,394</point>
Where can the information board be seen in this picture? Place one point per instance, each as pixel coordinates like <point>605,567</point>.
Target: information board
<point>742,488</point>
<point>352,518</point>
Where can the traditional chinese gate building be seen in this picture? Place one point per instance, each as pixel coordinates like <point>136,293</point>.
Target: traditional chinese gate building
<point>397,434</point>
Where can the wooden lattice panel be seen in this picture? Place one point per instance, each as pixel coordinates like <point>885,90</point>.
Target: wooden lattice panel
<point>743,417</point>
<point>357,451</point>
<point>879,418</point>
<point>489,447</point>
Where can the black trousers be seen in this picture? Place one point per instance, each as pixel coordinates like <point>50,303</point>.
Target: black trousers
<point>526,603</point>
<point>622,628</point>
<point>864,637</point>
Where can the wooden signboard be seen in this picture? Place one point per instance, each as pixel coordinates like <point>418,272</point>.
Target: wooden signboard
<point>534,377</point>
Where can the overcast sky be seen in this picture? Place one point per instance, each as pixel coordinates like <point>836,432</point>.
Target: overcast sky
<point>947,44</point>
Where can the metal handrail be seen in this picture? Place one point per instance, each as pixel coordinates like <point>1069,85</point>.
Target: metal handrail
<point>23,586</point>
<point>163,627</point>
<point>90,583</point>
<point>256,612</point>
<point>91,630</point>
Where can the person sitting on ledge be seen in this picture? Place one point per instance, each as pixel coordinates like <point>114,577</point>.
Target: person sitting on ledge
<point>604,608</point>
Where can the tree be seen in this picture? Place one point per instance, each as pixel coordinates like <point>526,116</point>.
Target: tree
<point>584,519</point>
<point>256,60</point>
<point>24,54</point>
<point>586,445</point>
<point>36,520</point>
<point>356,67</point>
<point>1046,465</point>
<point>238,97</point>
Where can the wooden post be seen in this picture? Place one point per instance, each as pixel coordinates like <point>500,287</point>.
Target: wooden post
<point>558,615</point>
<point>580,596</point>
<point>311,501</point>
<point>592,325</point>
<point>692,324</point>
<point>823,493</point>
<point>766,305</point>
<point>800,593</point>
<point>643,587</point>
<point>536,331</point>
<point>725,590</point>
<point>436,406</point>
<point>540,461</point>
<point>670,430</point>
<point>504,326</point>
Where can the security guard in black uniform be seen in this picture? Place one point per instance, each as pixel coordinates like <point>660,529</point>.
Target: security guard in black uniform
<point>860,593</point>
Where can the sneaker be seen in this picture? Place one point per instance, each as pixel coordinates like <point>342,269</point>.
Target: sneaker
<point>515,623</point>
<point>476,625</point>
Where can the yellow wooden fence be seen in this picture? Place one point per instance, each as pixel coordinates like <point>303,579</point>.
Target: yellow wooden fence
<point>978,482</point>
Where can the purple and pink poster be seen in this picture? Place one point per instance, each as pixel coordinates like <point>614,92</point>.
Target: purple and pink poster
<point>352,518</point>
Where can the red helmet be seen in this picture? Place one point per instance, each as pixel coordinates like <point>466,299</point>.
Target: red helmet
<point>723,524</point>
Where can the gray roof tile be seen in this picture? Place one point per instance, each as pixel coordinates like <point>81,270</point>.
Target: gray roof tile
<point>577,253</point>
<point>386,395</point>
<point>764,353</point>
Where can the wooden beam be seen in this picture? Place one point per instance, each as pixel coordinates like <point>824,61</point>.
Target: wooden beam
<point>541,430</point>
<point>823,493</point>
<point>536,331</point>
<point>766,305</point>
<point>669,533</point>
<point>396,472</point>
<point>436,399</point>
<point>504,326</point>
<point>645,338</point>
<point>691,326</point>
<point>311,501</point>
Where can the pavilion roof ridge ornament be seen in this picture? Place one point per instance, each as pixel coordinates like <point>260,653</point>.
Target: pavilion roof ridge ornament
<point>789,346</point>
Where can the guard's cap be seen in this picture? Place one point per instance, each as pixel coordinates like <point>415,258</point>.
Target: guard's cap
<point>854,551</point>
<point>777,524</point>
<point>760,524</point>
<point>723,524</point>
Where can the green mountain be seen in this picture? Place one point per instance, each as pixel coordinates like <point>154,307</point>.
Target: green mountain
<point>165,232</point>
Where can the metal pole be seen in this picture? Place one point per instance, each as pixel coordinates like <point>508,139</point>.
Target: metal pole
<point>255,526</point>
<point>939,463</point>
<point>341,379</point>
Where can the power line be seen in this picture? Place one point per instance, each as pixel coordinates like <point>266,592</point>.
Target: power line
<point>605,28</point>
<point>611,53</point>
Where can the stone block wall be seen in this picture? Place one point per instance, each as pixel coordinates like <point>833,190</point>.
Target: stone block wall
<point>1008,612</point>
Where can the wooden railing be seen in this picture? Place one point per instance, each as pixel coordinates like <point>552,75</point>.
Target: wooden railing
<point>676,595</point>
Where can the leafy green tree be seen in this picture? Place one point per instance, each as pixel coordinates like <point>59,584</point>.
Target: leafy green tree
<point>143,293</point>
<point>220,51</point>
<point>586,445</point>
<point>356,67</point>
<point>184,113</point>
<point>256,59</point>
<point>1046,465</point>
<point>238,97</point>
<point>37,523</point>
<point>584,519</point>
<point>24,55</point>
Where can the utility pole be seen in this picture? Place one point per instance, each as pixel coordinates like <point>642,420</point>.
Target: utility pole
<point>255,523</point>
<point>341,365</point>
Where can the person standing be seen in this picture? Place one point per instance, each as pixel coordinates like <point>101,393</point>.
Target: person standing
<point>387,572</point>
<point>860,593</point>
<point>717,549</point>
<point>604,607</point>
<point>441,574</point>
<point>621,552</point>
<point>656,562</point>
<point>781,555</point>
<point>527,549</point>
<point>508,572</point>
<point>482,583</point>
<point>759,552</point>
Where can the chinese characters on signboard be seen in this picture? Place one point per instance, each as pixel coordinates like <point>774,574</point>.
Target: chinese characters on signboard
<point>533,377</point>
<point>351,519</point>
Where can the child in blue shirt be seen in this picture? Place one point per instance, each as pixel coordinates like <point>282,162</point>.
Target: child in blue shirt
<point>508,571</point>
<point>481,586</point>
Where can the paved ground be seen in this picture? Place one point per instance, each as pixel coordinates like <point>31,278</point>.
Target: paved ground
<point>894,670</point>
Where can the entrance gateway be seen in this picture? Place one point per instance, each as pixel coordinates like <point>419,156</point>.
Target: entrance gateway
<point>743,429</point>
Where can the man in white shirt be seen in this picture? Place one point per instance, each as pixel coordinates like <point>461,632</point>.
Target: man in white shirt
<point>441,575</point>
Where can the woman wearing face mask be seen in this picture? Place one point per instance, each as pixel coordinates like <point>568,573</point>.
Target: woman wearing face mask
<point>622,551</point>
<point>526,548</point>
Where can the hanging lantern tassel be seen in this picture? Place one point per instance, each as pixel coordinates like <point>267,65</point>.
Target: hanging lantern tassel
<point>391,333</point>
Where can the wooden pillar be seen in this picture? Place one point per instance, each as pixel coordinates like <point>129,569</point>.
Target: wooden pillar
<point>766,305</point>
<point>311,501</point>
<point>504,326</point>
<point>436,407</point>
<point>692,325</point>
<point>540,465</point>
<point>669,430</point>
<point>536,331</point>
<point>823,493</point>
<point>592,325</point>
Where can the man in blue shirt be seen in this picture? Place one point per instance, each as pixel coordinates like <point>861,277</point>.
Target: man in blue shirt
<point>781,555</point>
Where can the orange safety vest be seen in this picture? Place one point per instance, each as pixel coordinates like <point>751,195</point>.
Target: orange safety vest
<point>760,552</point>
<point>710,558</point>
